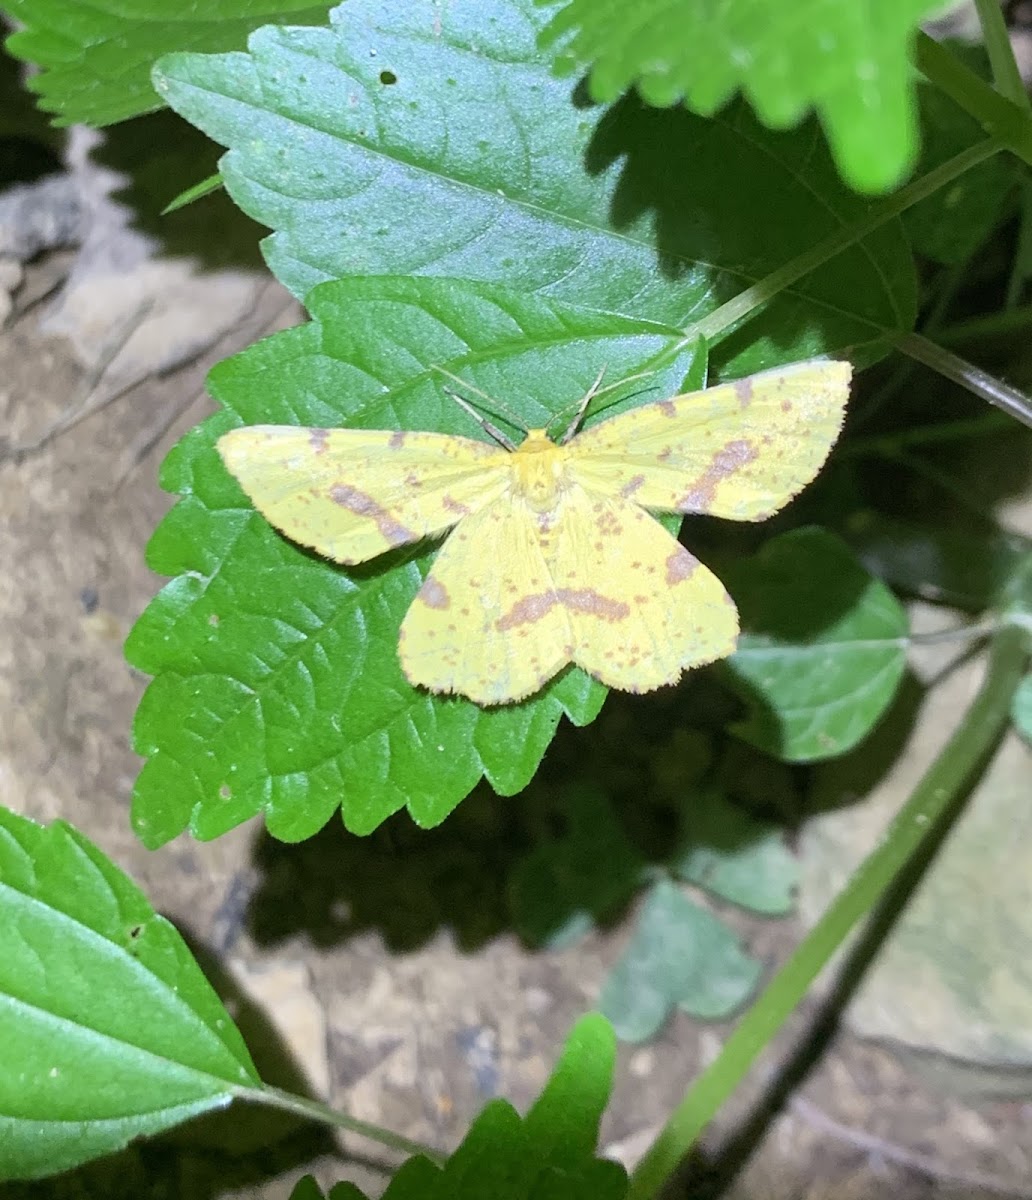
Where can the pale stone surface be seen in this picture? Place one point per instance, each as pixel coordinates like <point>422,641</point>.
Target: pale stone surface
<point>955,977</point>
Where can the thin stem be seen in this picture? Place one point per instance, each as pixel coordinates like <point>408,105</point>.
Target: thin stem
<point>723,319</point>
<point>1009,399</point>
<point>1000,117</point>
<point>314,1110</point>
<point>927,813</point>
<point>1006,75</point>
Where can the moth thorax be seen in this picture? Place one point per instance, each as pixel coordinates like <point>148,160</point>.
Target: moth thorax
<point>539,470</point>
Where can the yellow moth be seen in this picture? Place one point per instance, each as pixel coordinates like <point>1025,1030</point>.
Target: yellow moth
<point>553,557</point>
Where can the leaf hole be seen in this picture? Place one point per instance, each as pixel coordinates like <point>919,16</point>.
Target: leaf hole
<point>387,78</point>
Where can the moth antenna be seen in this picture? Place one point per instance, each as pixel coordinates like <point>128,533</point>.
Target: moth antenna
<point>578,416</point>
<point>497,404</point>
<point>593,393</point>
<point>501,438</point>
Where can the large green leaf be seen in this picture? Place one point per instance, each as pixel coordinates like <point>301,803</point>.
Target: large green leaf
<point>278,688</point>
<point>97,57</point>
<point>823,647</point>
<point>109,1029</point>
<point>848,61</point>
<point>415,138</point>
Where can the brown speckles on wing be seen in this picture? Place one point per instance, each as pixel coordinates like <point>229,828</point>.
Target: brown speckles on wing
<point>740,450</point>
<point>725,462</point>
<point>643,610</point>
<point>352,494</point>
<point>392,531</point>
<point>503,633</point>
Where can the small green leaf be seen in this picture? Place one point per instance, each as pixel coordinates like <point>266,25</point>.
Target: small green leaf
<point>548,1156</point>
<point>736,856</point>
<point>277,685</point>
<point>1021,708</point>
<point>823,647</point>
<point>681,955</point>
<point>848,62</point>
<point>420,139</point>
<point>109,1029</point>
<point>563,887</point>
<point>204,188</point>
<point>96,58</point>
<point>563,1124</point>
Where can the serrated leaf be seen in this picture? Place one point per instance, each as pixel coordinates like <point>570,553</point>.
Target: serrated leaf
<point>564,886</point>
<point>823,651</point>
<point>277,686</point>
<point>96,58</point>
<point>1021,708</point>
<point>735,856</point>
<point>848,62</point>
<point>679,955</point>
<point>109,1029</point>
<point>421,139</point>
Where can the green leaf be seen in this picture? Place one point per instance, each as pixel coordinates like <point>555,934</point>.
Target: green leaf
<point>550,1155</point>
<point>950,225</point>
<point>109,1029</point>
<point>679,955</point>
<point>563,887</point>
<point>1021,708</point>
<point>97,57</point>
<point>278,688</point>
<point>964,568</point>
<point>823,650</point>
<point>736,856</point>
<point>191,194</point>
<point>417,139</point>
<point>848,62</point>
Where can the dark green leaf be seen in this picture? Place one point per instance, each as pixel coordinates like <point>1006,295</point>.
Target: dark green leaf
<point>563,887</point>
<point>951,224</point>
<point>735,856</point>
<point>963,568</point>
<point>97,57</point>
<point>823,647</point>
<point>278,688</point>
<point>681,955</point>
<point>109,1029</point>
<point>850,62</point>
<point>412,138</point>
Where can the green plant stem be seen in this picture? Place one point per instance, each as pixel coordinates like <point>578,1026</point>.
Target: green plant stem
<point>1006,75</point>
<point>920,822</point>
<point>1001,118</point>
<point>723,319</point>
<point>1010,400</point>
<point>314,1110</point>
